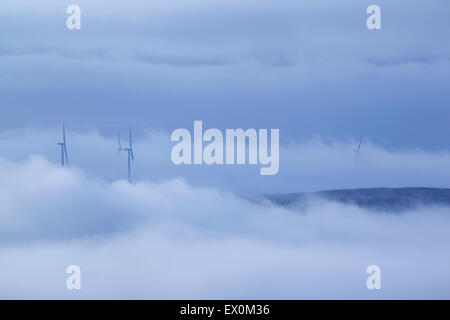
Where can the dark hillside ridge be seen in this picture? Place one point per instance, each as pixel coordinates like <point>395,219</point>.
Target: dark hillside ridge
<point>385,199</point>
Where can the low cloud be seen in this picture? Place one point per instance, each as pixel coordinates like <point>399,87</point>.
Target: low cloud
<point>174,240</point>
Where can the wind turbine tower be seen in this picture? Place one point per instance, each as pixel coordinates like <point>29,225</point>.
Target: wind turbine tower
<point>64,159</point>
<point>129,151</point>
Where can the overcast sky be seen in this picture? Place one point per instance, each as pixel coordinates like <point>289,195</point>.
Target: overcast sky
<point>309,67</point>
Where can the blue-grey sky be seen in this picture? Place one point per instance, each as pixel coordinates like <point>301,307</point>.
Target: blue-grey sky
<point>308,68</point>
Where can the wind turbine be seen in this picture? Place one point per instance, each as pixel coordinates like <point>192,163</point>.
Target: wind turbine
<point>64,159</point>
<point>129,150</point>
<point>357,151</point>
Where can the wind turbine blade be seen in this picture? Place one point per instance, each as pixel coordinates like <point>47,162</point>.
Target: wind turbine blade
<point>62,154</point>
<point>132,155</point>
<point>64,134</point>
<point>65,153</point>
<point>118,139</point>
<point>131,146</point>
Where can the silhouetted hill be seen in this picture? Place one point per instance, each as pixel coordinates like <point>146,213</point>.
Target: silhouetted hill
<point>385,199</point>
